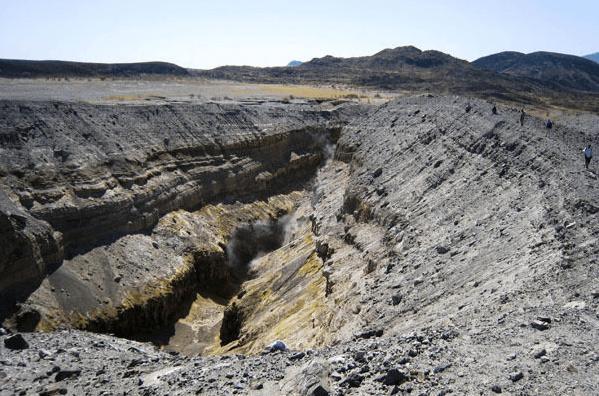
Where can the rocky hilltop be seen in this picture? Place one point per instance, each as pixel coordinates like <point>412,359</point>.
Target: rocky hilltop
<point>17,68</point>
<point>564,71</point>
<point>540,79</point>
<point>426,246</point>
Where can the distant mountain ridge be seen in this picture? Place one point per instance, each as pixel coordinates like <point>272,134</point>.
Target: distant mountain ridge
<point>565,71</point>
<point>593,57</point>
<point>542,77</point>
<point>412,70</point>
<point>398,68</point>
<point>15,68</point>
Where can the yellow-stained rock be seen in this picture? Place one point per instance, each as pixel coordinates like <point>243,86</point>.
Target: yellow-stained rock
<point>284,300</point>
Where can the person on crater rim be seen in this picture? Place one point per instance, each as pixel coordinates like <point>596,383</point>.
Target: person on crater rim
<point>522,114</point>
<point>588,154</point>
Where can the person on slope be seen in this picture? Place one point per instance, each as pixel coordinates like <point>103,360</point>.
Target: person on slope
<point>588,154</point>
<point>522,115</point>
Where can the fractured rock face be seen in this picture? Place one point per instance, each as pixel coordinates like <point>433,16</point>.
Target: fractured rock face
<point>30,248</point>
<point>76,177</point>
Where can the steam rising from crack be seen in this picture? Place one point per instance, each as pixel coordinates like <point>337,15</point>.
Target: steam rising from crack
<point>253,240</point>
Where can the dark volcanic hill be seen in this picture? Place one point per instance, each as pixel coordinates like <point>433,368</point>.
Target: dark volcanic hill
<point>539,79</point>
<point>410,69</point>
<point>15,68</point>
<point>405,68</point>
<point>566,71</point>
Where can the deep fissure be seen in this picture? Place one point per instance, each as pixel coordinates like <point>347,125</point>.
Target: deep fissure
<point>145,302</point>
<point>220,277</point>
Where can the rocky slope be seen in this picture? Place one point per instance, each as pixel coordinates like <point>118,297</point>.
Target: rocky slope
<point>443,249</point>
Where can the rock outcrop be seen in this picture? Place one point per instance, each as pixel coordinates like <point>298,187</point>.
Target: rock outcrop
<point>77,177</point>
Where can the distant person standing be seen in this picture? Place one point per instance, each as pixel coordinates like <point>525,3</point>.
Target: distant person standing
<point>548,124</point>
<point>494,110</point>
<point>522,115</point>
<point>588,154</point>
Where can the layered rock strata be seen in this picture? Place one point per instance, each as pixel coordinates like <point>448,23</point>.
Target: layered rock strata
<point>192,263</point>
<point>77,177</point>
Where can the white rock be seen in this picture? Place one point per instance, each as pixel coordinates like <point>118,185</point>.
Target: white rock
<point>575,305</point>
<point>337,360</point>
<point>277,346</point>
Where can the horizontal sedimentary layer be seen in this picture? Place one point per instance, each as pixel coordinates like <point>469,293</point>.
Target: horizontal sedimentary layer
<point>83,175</point>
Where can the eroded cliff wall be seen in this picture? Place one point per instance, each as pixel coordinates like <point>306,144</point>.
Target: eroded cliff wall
<point>76,176</point>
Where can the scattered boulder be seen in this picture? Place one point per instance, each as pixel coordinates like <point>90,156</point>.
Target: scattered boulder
<point>370,334</point>
<point>394,377</point>
<point>539,353</point>
<point>53,392</point>
<point>311,379</point>
<point>539,325</point>
<point>442,249</point>
<point>54,369</point>
<point>297,356</point>
<point>64,374</point>
<point>353,380</point>
<point>516,376</point>
<point>277,346</point>
<point>360,357</point>
<point>16,342</point>
<point>320,391</point>
<point>441,368</point>
<point>337,360</point>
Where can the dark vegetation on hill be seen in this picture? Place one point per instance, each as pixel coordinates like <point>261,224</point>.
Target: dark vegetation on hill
<point>14,68</point>
<point>565,71</point>
<point>410,69</point>
<point>540,79</point>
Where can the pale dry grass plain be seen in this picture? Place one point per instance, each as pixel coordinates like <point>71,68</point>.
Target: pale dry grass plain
<point>175,90</point>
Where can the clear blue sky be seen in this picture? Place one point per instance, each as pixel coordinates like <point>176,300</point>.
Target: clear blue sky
<point>207,34</point>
